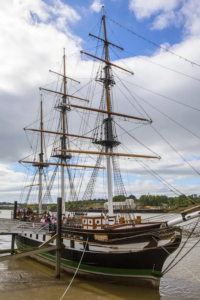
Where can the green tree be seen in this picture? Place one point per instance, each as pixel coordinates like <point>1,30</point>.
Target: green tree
<point>144,200</point>
<point>119,198</point>
<point>52,207</point>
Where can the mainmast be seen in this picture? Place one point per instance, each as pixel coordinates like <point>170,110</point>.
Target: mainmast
<point>41,159</point>
<point>109,140</point>
<point>108,126</point>
<point>63,138</point>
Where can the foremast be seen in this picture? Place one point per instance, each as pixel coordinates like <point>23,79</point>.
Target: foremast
<point>64,106</point>
<point>63,154</point>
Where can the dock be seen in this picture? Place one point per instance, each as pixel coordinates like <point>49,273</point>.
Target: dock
<point>14,226</point>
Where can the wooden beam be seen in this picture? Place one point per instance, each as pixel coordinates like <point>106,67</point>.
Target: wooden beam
<point>31,185</point>
<point>111,154</point>
<point>64,76</point>
<point>49,240</point>
<point>71,96</point>
<point>31,251</point>
<point>56,164</point>
<point>111,113</point>
<point>107,62</point>
<point>105,41</point>
<point>60,133</point>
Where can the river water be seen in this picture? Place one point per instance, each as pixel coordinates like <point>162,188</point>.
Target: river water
<point>27,279</point>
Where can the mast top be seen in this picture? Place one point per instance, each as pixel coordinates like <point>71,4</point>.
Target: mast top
<point>103,11</point>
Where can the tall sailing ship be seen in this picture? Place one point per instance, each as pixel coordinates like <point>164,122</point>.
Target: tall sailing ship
<point>114,249</point>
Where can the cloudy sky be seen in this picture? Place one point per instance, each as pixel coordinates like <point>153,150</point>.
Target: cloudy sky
<point>32,37</point>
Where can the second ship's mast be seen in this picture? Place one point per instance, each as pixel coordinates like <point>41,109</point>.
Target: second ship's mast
<point>41,158</point>
<point>63,107</point>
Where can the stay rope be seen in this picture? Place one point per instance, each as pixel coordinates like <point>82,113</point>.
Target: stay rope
<point>75,272</point>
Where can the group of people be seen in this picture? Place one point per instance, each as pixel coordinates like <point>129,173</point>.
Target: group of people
<point>52,221</point>
<point>30,215</point>
<point>48,219</point>
<point>22,212</point>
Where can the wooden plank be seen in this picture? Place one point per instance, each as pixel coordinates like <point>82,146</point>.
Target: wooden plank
<point>56,164</point>
<point>5,251</point>
<point>111,113</point>
<point>64,76</point>
<point>111,154</point>
<point>28,252</point>
<point>60,133</point>
<point>107,62</point>
<point>59,93</point>
<point>97,37</point>
<point>49,241</point>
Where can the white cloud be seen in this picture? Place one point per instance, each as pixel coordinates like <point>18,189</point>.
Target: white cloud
<point>190,13</point>
<point>144,9</point>
<point>166,19</point>
<point>32,35</point>
<point>169,13</point>
<point>96,5</point>
<point>11,183</point>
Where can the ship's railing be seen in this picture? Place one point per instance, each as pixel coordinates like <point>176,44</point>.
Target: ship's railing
<point>192,229</point>
<point>16,226</point>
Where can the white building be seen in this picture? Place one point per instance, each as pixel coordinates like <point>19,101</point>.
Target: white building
<point>127,204</point>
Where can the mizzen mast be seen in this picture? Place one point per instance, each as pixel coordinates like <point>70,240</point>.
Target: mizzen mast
<point>41,163</point>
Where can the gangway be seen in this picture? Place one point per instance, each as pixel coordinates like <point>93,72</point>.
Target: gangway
<point>13,226</point>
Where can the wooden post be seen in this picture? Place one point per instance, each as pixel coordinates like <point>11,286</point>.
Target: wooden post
<point>15,210</point>
<point>13,235</point>
<point>58,240</point>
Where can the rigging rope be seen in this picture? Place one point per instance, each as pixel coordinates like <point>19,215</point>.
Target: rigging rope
<point>154,44</point>
<point>175,150</point>
<point>76,271</point>
<point>163,96</point>
<point>137,56</point>
<point>159,65</point>
<point>167,116</point>
<point>152,171</point>
<point>136,139</point>
<point>190,234</point>
<point>181,259</point>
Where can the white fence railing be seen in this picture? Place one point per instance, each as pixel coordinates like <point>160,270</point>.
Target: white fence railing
<point>15,226</point>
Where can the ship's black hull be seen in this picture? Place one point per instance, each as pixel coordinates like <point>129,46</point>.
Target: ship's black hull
<point>143,267</point>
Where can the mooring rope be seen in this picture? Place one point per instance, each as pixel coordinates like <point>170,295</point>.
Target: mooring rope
<point>76,271</point>
<point>189,236</point>
<point>180,260</point>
